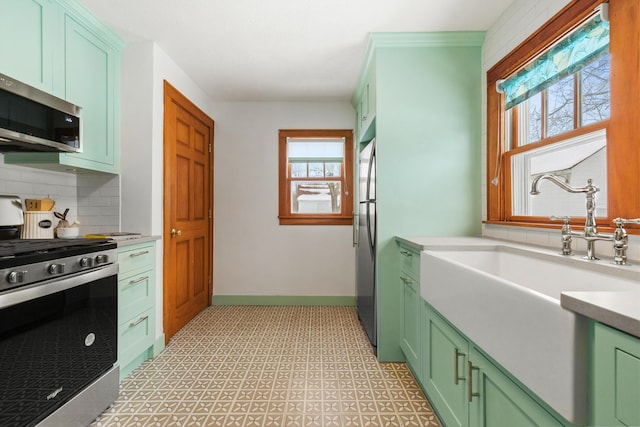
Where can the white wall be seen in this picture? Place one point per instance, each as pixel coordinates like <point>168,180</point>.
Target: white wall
<point>254,255</point>
<point>145,67</point>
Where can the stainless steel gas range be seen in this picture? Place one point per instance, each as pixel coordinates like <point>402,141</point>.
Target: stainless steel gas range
<point>58,331</point>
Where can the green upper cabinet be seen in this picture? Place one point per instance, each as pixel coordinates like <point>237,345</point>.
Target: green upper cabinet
<point>28,34</point>
<point>366,108</point>
<point>85,71</point>
<point>421,96</point>
<point>90,81</point>
<point>615,389</point>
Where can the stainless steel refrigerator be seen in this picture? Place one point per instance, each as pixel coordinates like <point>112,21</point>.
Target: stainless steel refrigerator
<point>366,242</point>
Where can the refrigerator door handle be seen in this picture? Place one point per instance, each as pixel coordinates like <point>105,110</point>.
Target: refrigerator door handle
<point>371,161</point>
<point>356,230</point>
<point>371,242</point>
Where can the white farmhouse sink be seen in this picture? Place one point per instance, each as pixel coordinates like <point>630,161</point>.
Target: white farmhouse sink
<point>506,299</point>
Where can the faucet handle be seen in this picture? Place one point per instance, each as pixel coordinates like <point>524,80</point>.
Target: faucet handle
<point>566,233</point>
<point>619,222</point>
<point>564,219</point>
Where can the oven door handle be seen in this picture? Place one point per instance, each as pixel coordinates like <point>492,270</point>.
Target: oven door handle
<point>41,289</point>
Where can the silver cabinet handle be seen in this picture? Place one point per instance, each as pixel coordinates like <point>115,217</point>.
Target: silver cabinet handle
<point>137,322</point>
<point>406,253</point>
<point>406,280</point>
<point>132,283</point>
<point>456,373</point>
<point>470,393</point>
<point>138,254</point>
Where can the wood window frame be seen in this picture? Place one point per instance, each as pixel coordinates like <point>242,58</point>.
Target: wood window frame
<point>285,216</point>
<point>623,155</point>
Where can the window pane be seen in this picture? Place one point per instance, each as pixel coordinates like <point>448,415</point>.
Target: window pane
<point>332,169</point>
<point>534,105</point>
<point>315,197</point>
<point>560,102</point>
<point>508,129</point>
<point>595,91</point>
<point>299,170</point>
<point>316,170</point>
<point>320,149</point>
<point>574,160</point>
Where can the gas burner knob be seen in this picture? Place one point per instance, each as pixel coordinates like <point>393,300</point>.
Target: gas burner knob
<point>102,259</point>
<point>56,269</point>
<point>16,276</point>
<point>86,262</point>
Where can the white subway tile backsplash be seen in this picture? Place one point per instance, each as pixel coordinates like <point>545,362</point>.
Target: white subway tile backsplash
<point>93,199</point>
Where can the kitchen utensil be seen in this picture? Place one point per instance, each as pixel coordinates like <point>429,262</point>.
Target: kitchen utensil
<point>45,204</point>
<point>63,223</point>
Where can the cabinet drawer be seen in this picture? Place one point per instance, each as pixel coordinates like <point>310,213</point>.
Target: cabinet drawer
<point>135,336</point>
<point>136,257</point>
<point>409,261</point>
<point>135,293</point>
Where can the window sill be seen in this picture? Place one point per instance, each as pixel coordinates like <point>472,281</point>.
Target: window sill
<point>315,220</point>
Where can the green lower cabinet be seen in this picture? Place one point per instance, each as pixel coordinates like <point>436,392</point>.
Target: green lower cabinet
<point>445,357</point>
<point>410,343</point>
<point>466,388</point>
<point>136,305</point>
<point>409,282</point>
<point>615,386</point>
<point>496,401</point>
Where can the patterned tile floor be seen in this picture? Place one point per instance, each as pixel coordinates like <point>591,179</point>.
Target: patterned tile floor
<point>270,366</point>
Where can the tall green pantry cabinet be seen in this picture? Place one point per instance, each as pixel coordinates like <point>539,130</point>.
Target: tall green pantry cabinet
<point>419,96</point>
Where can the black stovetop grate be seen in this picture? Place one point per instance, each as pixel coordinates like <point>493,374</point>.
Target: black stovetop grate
<point>19,247</point>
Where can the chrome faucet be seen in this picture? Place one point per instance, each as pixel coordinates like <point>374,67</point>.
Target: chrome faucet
<point>590,233</point>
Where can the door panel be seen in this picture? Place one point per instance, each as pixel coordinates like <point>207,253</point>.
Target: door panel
<point>199,178</point>
<point>188,223</point>
<point>182,277</point>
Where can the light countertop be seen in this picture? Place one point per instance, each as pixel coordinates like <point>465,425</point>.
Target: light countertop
<point>620,310</point>
<point>137,240</point>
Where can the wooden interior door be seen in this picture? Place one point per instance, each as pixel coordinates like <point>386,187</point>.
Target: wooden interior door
<point>188,210</point>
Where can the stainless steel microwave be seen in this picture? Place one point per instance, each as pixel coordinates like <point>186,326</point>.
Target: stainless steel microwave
<point>32,120</point>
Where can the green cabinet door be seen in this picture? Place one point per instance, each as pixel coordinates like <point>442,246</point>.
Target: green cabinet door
<point>90,82</point>
<point>27,31</point>
<point>496,401</point>
<point>615,389</point>
<point>366,108</point>
<point>467,389</point>
<point>410,343</point>
<point>445,357</point>
<point>136,305</point>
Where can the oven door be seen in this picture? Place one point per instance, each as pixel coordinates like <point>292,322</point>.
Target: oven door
<point>56,338</point>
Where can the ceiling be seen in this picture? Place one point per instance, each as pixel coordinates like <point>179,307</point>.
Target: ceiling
<point>281,50</point>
